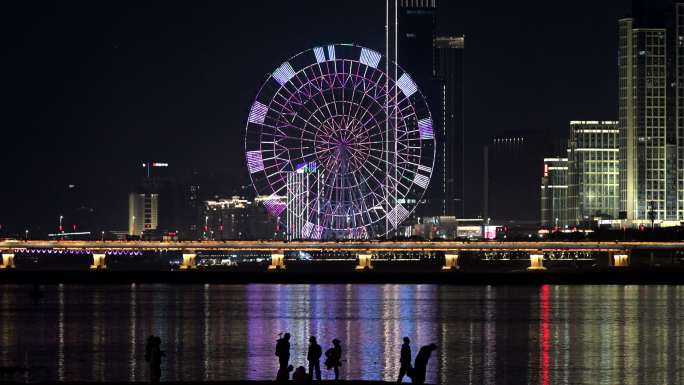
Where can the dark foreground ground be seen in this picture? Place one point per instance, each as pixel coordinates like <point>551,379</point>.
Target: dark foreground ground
<point>593,276</point>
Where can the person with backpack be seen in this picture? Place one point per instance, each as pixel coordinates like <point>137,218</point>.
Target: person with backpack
<point>334,357</point>
<point>420,365</point>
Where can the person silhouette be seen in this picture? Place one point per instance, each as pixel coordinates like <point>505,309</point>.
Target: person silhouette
<point>300,376</point>
<point>405,360</point>
<point>333,358</point>
<point>283,351</point>
<point>314,358</point>
<point>153,355</point>
<point>420,365</point>
<point>284,374</point>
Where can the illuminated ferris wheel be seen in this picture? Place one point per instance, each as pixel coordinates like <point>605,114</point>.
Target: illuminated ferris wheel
<point>333,151</point>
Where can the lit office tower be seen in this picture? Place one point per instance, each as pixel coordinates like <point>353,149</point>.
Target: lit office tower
<point>593,171</point>
<point>554,192</point>
<point>651,112</point>
<point>450,160</point>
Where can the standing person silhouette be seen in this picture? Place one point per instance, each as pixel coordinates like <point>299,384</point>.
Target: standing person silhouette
<point>283,351</point>
<point>333,358</point>
<point>405,360</point>
<point>153,355</point>
<point>314,358</point>
<point>420,366</point>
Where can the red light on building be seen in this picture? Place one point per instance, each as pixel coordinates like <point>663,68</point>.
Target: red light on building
<point>546,169</point>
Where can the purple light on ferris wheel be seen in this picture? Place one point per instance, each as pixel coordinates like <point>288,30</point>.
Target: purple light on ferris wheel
<point>320,54</point>
<point>275,207</point>
<point>425,128</point>
<point>284,73</point>
<point>370,57</point>
<point>255,162</point>
<point>257,114</point>
<point>426,169</point>
<point>397,215</point>
<point>407,85</point>
<point>421,180</point>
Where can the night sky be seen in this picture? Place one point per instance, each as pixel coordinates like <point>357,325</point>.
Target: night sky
<point>94,88</point>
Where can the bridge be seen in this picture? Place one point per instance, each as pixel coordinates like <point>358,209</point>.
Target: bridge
<point>618,252</point>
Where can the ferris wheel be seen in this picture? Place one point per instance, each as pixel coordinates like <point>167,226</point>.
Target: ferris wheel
<point>333,151</point>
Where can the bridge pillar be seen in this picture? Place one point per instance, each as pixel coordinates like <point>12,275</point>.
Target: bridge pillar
<point>7,260</point>
<point>536,262</point>
<point>451,262</point>
<point>365,262</point>
<point>277,261</point>
<point>189,261</point>
<point>619,260</point>
<point>99,261</point>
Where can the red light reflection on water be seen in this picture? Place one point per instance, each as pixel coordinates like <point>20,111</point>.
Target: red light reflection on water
<point>544,331</point>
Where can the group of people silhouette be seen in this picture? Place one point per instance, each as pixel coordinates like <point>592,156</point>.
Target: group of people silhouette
<point>333,361</point>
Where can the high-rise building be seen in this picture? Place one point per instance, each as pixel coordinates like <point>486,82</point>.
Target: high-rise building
<point>651,112</point>
<point>143,212</point>
<point>593,171</point>
<point>415,37</point>
<point>303,200</point>
<point>450,159</point>
<point>554,192</point>
<point>161,204</point>
<point>512,168</point>
<point>415,54</point>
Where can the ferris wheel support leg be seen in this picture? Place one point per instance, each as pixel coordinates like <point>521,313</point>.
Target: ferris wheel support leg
<point>365,262</point>
<point>277,261</point>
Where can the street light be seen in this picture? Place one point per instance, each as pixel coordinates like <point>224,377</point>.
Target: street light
<point>61,229</point>
<point>26,233</point>
<point>102,236</point>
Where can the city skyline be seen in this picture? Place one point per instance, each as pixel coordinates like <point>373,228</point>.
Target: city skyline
<point>103,142</point>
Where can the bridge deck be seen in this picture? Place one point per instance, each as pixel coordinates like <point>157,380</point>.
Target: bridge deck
<point>341,246</point>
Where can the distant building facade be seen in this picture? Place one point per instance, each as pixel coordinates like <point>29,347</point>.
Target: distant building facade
<point>593,171</point>
<point>554,192</point>
<point>512,168</point>
<point>449,172</point>
<point>163,204</point>
<point>143,212</point>
<point>236,218</point>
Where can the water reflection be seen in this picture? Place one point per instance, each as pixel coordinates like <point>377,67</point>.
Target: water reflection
<point>485,335</point>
